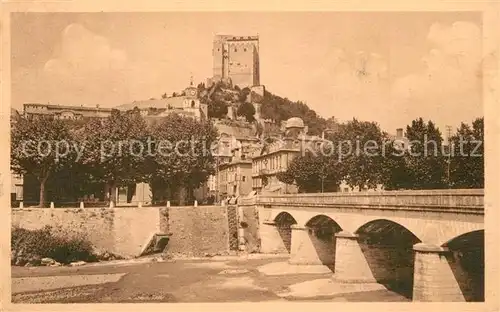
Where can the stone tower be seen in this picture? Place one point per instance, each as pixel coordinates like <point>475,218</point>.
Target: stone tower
<point>237,59</point>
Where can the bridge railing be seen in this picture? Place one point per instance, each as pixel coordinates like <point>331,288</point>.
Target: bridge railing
<point>467,200</point>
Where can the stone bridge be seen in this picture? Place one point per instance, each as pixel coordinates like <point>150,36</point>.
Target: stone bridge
<point>428,245</point>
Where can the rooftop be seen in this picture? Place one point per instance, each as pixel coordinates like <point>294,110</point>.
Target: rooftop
<point>69,107</point>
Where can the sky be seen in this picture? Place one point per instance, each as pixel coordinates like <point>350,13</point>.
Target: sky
<point>388,67</point>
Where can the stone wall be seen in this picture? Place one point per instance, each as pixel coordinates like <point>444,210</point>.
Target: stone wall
<point>194,231</point>
<point>232,221</point>
<point>122,231</point>
<point>198,231</point>
<point>250,220</point>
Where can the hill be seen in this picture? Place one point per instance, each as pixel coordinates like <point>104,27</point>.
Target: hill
<point>273,107</point>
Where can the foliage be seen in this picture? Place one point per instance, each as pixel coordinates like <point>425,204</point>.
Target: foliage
<point>33,149</point>
<point>312,173</point>
<point>467,158</point>
<point>33,245</point>
<point>217,109</point>
<point>394,171</point>
<point>247,110</point>
<point>187,161</point>
<point>425,162</point>
<point>359,150</point>
<point>279,109</point>
<point>113,146</point>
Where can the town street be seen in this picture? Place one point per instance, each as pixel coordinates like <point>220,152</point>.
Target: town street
<point>229,279</point>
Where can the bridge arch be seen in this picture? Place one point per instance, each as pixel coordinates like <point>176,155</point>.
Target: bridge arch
<point>284,222</point>
<point>386,230</point>
<point>388,249</point>
<point>322,230</point>
<point>323,222</point>
<point>466,260</point>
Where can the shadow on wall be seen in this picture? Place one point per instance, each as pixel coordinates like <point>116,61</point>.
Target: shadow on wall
<point>322,231</point>
<point>388,250</point>
<point>466,261</point>
<point>284,222</point>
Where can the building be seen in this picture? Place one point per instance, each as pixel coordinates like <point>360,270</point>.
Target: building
<point>188,104</point>
<point>236,59</point>
<point>277,154</point>
<point>235,175</point>
<point>65,111</point>
<point>16,180</point>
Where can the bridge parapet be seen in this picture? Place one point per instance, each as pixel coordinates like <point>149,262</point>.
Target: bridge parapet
<point>469,201</point>
<point>251,201</point>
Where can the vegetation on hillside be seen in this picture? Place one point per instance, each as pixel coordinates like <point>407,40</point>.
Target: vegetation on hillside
<point>273,107</point>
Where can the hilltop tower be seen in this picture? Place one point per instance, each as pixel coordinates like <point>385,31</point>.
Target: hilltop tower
<point>236,59</point>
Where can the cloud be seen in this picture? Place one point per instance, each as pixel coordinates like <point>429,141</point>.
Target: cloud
<point>83,53</point>
<point>356,84</point>
<point>447,89</point>
<point>86,69</point>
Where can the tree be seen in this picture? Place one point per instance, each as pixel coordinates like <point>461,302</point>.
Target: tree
<point>467,158</point>
<point>217,109</point>
<point>394,170</point>
<point>181,158</point>
<point>247,110</point>
<point>359,150</point>
<point>424,161</point>
<point>41,147</point>
<point>115,149</point>
<point>312,173</point>
<point>279,109</point>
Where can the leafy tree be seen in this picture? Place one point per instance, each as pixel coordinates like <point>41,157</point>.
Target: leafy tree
<point>164,96</point>
<point>243,94</point>
<point>394,170</point>
<point>424,161</point>
<point>359,149</point>
<point>467,157</point>
<point>313,172</point>
<point>247,110</point>
<point>217,109</point>
<point>34,149</point>
<point>115,149</point>
<point>181,158</point>
<point>279,109</point>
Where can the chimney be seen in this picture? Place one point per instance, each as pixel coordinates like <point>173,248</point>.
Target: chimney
<point>399,133</point>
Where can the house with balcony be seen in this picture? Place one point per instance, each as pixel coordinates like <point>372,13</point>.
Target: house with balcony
<point>235,173</point>
<point>277,153</point>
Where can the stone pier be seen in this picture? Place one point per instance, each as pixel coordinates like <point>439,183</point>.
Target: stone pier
<point>271,240</point>
<point>433,278</point>
<point>309,249</point>
<point>350,262</point>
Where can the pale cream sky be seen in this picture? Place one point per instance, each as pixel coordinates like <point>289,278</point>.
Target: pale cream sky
<point>416,64</point>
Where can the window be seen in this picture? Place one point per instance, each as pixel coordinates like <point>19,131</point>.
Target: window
<point>243,178</point>
<point>235,50</point>
<point>245,49</point>
<point>193,103</point>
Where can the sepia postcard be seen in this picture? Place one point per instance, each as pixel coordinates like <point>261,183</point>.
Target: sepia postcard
<point>241,156</point>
